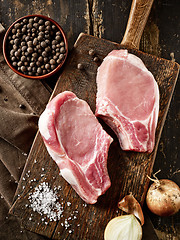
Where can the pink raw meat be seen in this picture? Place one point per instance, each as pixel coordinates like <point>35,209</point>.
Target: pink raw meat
<point>128,100</point>
<point>76,141</point>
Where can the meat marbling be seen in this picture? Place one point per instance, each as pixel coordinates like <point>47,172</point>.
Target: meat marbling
<point>78,144</point>
<point>128,100</point>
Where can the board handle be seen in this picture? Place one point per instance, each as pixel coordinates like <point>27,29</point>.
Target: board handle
<point>138,16</point>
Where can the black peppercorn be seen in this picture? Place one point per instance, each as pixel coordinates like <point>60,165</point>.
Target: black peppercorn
<point>48,28</point>
<point>35,55</point>
<point>31,20</point>
<point>96,59</point>
<point>58,33</point>
<point>15,47</point>
<point>40,59</point>
<point>17,25</point>
<point>23,30</point>
<point>29,69</point>
<point>39,70</point>
<point>30,50</point>
<point>53,27</point>
<point>23,43</point>
<point>22,106</point>
<point>13,58</point>
<point>12,42</point>
<point>58,38</point>
<point>40,37</point>
<point>32,64</point>
<point>44,71</point>
<point>41,21</point>
<point>38,63</point>
<point>13,31</point>
<point>58,61</point>
<point>52,61</point>
<point>27,38</point>
<point>36,19</point>
<point>62,50</point>
<point>47,23</point>
<point>61,44</point>
<point>16,41</point>
<point>25,20</point>
<point>23,58</point>
<point>80,66</point>
<point>19,64</point>
<point>41,28</point>
<point>43,44</point>
<point>29,25</point>
<point>46,60</point>
<point>23,68</point>
<point>53,67</point>
<point>24,48</point>
<point>35,41</point>
<point>47,66</point>
<point>44,54</point>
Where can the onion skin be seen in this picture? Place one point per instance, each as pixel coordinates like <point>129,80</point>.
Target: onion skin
<point>163,198</point>
<point>130,205</point>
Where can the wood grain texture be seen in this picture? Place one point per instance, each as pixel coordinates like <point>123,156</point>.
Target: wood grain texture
<point>128,170</point>
<point>108,19</point>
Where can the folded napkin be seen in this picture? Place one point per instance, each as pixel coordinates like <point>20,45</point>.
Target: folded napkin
<point>21,102</point>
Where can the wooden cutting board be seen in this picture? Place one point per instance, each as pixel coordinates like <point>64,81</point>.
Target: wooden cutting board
<point>127,170</point>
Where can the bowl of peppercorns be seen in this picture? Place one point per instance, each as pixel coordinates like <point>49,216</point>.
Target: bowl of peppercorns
<point>35,46</point>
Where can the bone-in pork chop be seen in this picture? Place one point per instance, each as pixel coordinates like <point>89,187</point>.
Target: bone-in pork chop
<point>78,144</point>
<point>128,100</point>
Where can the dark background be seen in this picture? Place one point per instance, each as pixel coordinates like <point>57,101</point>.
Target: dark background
<point>107,19</point>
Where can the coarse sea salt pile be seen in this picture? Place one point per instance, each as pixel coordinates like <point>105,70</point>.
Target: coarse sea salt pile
<point>45,201</point>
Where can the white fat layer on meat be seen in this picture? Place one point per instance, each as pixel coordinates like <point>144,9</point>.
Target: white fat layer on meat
<point>68,175</point>
<point>156,101</point>
<point>55,156</point>
<point>43,124</point>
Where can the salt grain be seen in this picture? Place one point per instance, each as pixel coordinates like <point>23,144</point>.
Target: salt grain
<point>45,201</point>
<point>68,204</point>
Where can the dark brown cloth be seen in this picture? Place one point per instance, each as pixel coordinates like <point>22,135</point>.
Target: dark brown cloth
<point>21,102</point>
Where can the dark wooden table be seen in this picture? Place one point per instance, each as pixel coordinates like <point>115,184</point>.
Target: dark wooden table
<point>108,19</point>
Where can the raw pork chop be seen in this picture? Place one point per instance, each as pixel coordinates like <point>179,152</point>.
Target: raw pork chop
<point>76,141</point>
<point>128,100</point>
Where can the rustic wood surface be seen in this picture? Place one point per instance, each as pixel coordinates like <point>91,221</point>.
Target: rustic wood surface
<point>127,170</point>
<point>108,19</point>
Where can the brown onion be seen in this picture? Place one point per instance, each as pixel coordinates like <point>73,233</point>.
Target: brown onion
<point>163,197</point>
